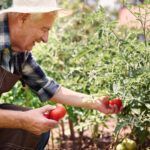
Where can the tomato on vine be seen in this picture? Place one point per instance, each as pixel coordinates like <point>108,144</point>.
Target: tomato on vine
<point>116,101</point>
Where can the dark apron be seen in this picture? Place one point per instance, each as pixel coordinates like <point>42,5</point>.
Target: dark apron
<point>16,139</point>
<point>7,80</point>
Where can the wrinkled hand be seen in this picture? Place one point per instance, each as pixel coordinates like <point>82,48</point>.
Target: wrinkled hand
<point>102,104</point>
<point>35,122</point>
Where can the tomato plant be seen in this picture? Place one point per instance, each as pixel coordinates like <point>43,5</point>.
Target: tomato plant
<point>90,54</point>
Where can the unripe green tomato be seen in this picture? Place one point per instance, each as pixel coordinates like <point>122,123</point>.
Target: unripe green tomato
<point>121,146</point>
<point>129,144</point>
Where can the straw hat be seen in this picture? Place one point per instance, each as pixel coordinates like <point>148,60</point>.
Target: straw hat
<point>28,6</point>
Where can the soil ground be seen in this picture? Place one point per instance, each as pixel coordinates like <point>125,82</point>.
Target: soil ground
<point>56,142</point>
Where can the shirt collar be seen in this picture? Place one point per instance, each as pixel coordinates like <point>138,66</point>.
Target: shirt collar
<point>4,33</point>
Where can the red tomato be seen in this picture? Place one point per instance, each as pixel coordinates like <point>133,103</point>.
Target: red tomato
<point>57,113</point>
<point>116,101</point>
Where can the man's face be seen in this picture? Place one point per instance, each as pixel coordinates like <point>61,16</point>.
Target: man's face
<point>27,29</point>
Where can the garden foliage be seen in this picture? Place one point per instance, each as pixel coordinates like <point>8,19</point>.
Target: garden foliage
<point>89,53</point>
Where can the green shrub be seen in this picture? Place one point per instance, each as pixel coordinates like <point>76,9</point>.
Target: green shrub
<point>90,54</point>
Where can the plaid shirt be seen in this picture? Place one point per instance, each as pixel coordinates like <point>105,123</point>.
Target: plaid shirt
<point>24,64</point>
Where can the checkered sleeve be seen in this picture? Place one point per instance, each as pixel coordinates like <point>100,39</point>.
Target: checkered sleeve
<point>35,78</point>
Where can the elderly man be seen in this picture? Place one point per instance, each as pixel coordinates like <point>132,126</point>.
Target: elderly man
<point>21,25</point>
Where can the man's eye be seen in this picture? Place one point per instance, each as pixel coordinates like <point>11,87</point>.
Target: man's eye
<point>45,29</point>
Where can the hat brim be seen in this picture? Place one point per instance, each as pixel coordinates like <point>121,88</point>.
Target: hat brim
<point>61,12</point>
<point>30,9</point>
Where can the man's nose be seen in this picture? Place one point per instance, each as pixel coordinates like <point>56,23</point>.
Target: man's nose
<point>45,37</point>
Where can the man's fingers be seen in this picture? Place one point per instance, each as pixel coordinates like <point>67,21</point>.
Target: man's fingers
<point>116,109</point>
<point>52,123</point>
<point>121,109</point>
<point>47,108</point>
<point>113,109</point>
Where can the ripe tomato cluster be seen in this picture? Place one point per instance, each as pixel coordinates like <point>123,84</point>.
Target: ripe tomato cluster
<point>57,113</point>
<point>116,101</point>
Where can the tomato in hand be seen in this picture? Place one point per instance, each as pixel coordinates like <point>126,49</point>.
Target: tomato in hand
<point>116,101</point>
<point>57,113</point>
<point>47,115</point>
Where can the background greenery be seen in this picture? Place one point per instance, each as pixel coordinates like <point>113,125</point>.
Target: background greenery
<point>89,53</point>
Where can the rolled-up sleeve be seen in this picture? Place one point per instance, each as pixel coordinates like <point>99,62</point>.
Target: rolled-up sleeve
<point>36,79</point>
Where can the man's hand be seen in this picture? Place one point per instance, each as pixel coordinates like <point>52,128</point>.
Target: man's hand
<point>102,104</point>
<point>34,120</point>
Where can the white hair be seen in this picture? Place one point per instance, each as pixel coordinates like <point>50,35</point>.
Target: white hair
<point>34,16</point>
